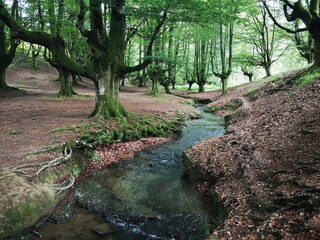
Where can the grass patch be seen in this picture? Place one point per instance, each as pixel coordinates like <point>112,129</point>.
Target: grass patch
<point>308,78</point>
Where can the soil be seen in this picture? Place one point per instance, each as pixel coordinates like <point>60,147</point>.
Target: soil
<point>266,167</point>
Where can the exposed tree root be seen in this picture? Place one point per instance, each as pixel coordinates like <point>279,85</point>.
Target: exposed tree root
<point>25,168</point>
<point>61,188</point>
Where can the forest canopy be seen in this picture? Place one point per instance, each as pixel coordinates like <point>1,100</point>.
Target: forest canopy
<point>163,41</point>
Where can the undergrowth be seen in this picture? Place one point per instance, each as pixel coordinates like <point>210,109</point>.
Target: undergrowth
<point>132,127</point>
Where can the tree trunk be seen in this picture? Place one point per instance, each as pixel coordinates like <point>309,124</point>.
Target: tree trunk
<point>3,84</point>
<point>315,33</point>
<point>224,82</point>
<point>268,71</point>
<point>140,79</point>
<point>250,78</point>
<point>65,84</point>
<point>154,87</point>
<point>77,81</point>
<point>173,83</point>
<point>190,86</point>
<point>201,87</point>
<point>166,88</point>
<point>108,103</point>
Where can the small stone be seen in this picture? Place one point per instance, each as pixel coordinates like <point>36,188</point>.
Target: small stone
<point>104,229</point>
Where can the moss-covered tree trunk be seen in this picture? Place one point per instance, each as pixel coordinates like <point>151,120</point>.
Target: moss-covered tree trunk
<point>108,103</point>
<point>166,84</point>
<point>154,86</point>
<point>66,89</point>
<point>224,82</point>
<point>201,87</point>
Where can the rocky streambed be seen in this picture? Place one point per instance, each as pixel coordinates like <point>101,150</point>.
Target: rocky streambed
<point>148,197</point>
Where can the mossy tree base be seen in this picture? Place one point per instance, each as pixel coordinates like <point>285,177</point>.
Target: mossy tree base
<point>108,107</point>
<point>66,89</point>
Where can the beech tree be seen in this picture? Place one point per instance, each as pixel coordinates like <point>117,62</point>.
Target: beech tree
<point>222,47</point>
<point>308,12</point>
<point>106,42</point>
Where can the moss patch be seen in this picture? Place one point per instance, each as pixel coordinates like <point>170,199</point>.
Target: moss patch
<point>23,204</point>
<point>231,106</point>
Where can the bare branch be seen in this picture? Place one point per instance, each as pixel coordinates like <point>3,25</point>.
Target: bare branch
<point>154,36</point>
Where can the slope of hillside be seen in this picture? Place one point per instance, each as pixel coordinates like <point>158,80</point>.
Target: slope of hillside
<point>266,167</point>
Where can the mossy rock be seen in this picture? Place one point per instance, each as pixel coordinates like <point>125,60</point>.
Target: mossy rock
<point>28,204</point>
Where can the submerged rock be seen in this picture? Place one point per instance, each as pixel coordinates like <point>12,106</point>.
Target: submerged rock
<point>63,213</point>
<point>104,229</point>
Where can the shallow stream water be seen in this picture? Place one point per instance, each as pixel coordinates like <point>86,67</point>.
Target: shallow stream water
<point>145,198</point>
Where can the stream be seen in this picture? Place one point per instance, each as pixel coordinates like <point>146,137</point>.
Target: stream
<point>145,198</point>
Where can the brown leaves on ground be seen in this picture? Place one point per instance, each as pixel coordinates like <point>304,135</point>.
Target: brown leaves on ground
<point>267,165</point>
<point>34,120</point>
<point>114,153</point>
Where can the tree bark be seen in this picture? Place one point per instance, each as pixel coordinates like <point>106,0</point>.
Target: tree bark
<point>224,81</point>
<point>154,87</point>
<point>315,34</point>
<point>108,103</point>
<point>201,87</point>
<point>66,89</point>
<point>3,84</point>
<point>268,71</point>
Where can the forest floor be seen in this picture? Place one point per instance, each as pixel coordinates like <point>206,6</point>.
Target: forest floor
<point>32,120</point>
<point>35,124</point>
<point>266,167</point>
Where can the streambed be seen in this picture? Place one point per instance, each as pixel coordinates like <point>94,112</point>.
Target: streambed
<point>145,198</point>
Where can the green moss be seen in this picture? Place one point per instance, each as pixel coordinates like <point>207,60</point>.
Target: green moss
<point>27,212</point>
<point>308,78</point>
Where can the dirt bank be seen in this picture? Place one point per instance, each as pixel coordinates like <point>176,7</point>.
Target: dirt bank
<point>266,168</point>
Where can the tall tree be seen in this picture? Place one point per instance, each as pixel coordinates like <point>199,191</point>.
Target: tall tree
<point>225,43</point>
<point>222,47</point>
<point>200,72</point>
